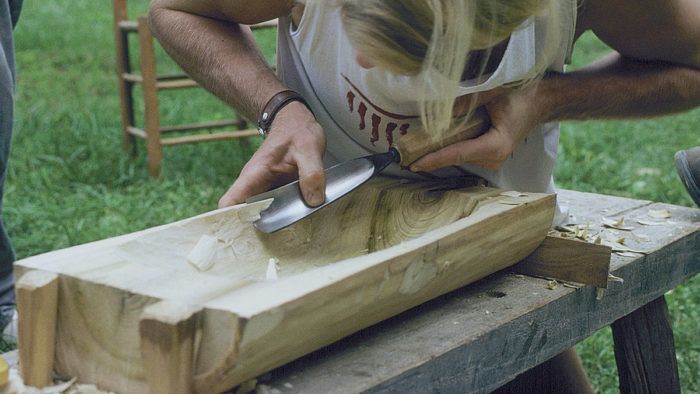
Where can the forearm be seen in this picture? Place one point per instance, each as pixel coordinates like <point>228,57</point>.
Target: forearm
<point>617,88</point>
<point>222,56</point>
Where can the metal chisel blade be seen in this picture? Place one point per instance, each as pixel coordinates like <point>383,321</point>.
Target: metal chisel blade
<point>288,206</point>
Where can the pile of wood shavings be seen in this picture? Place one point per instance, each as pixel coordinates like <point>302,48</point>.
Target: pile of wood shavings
<point>608,234</point>
<point>16,386</point>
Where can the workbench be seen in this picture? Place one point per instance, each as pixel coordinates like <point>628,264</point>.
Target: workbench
<point>480,337</point>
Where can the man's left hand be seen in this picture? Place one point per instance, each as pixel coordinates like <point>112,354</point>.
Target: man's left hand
<point>513,113</point>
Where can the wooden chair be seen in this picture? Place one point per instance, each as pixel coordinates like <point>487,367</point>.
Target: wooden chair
<point>152,84</point>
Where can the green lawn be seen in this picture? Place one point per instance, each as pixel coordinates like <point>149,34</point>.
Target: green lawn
<point>70,182</point>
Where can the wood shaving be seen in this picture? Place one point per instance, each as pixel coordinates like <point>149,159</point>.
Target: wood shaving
<point>617,224</point>
<point>627,254</point>
<point>617,247</point>
<point>510,201</point>
<point>659,213</point>
<point>202,255</point>
<point>265,389</point>
<point>599,293</point>
<point>653,171</point>
<point>613,278</point>
<point>513,194</point>
<point>247,387</point>
<point>272,269</point>
<point>84,389</point>
<point>650,223</point>
<point>552,284</point>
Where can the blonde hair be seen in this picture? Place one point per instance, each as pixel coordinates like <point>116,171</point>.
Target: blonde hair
<point>436,37</point>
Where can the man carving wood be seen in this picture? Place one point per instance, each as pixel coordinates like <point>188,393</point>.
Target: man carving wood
<point>369,72</point>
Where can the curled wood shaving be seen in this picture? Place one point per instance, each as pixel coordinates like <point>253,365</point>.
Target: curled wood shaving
<point>599,293</point>
<point>659,213</point>
<point>618,247</point>
<point>202,255</point>
<point>627,254</point>
<point>272,269</point>
<point>650,223</point>
<point>613,278</point>
<point>513,194</point>
<point>617,224</point>
<point>552,284</point>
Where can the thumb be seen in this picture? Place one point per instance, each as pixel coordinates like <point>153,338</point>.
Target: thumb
<point>312,178</point>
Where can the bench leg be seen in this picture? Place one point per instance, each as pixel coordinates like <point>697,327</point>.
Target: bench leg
<point>645,352</point>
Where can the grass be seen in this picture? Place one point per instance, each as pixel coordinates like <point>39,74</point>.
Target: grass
<point>69,181</point>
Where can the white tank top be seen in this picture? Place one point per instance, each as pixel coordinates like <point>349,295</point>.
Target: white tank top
<point>366,111</point>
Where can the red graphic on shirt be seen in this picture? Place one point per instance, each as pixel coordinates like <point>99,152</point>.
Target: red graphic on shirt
<point>379,116</point>
<point>351,100</point>
<point>362,110</point>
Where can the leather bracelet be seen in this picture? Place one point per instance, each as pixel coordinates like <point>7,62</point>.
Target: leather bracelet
<point>274,105</point>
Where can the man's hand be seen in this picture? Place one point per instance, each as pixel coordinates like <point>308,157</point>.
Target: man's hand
<point>294,147</point>
<point>513,114</point>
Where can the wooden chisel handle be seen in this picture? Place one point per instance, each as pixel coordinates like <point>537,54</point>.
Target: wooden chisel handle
<point>415,145</point>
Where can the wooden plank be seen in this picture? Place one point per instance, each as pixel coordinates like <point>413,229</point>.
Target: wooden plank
<point>480,337</point>
<point>439,240</point>
<point>167,332</point>
<point>37,294</point>
<point>645,352</point>
<point>222,135</point>
<point>569,260</point>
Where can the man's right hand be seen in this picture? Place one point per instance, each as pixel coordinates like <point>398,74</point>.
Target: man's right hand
<point>293,148</point>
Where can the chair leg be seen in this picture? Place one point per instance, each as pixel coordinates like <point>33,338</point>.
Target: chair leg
<point>150,97</point>
<point>121,46</point>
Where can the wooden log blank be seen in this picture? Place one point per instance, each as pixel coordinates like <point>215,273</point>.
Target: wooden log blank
<point>645,352</point>
<point>37,295</point>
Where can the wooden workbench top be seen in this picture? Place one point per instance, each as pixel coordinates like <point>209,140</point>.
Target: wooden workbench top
<point>480,337</point>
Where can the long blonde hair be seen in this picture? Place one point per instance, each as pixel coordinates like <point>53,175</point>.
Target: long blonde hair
<point>436,37</point>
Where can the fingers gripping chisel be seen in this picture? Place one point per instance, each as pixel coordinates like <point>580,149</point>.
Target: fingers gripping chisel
<point>288,205</point>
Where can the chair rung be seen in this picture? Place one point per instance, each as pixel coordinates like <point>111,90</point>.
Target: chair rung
<point>224,135</point>
<point>176,84</point>
<point>130,77</point>
<point>136,131</point>
<point>128,26</point>
<point>164,82</point>
<point>202,125</point>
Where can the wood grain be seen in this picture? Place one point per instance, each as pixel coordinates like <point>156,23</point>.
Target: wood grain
<point>569,260</point>
<point>37,293</point>
<point>167,331</point>
<point>379,251</point>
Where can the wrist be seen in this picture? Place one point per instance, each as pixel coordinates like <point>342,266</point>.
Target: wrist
<point>295,118</point>
<point>276,104</point>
